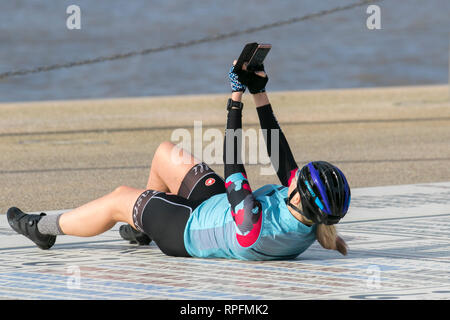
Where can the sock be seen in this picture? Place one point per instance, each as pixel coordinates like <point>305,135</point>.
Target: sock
<point>49,224</point>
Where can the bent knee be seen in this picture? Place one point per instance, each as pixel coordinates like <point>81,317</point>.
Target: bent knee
<point>122,190</point>
<point>165,147</point>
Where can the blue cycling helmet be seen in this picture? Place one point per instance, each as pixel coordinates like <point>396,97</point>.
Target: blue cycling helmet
<point>324,193</point>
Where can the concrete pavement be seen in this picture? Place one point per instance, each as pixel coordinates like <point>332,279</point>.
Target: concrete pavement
<point>61,154</point>
<point>392,143</point>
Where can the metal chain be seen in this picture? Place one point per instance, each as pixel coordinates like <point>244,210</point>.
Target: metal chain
<point>183,44</point>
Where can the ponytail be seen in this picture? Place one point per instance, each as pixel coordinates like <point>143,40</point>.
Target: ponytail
<point>327,237</point>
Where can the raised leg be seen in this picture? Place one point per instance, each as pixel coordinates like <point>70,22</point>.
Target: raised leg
<point>169,167</point>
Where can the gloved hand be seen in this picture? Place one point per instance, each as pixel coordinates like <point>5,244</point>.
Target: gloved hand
<point>236,85</point>
<point>256,79</point>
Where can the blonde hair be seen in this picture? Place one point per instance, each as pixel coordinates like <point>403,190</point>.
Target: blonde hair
<point>328,238</point>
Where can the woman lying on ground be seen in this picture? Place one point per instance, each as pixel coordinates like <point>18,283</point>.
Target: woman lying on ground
<point>190,211</point>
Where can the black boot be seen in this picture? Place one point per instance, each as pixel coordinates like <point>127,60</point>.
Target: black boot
<point>26,224</point>
<point>128,233</point>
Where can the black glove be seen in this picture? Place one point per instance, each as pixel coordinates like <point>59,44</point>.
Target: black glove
<point>254,82</point>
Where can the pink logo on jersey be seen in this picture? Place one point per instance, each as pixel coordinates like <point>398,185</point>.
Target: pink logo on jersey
<point>210,182</point>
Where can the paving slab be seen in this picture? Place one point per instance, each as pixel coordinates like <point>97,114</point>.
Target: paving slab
<point>399,240</point>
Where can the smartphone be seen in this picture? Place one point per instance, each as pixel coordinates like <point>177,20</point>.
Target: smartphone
<point>258,56</point>
<point>254,54</point>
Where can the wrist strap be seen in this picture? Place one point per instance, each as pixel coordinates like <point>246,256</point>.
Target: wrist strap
<point>257,91</point>
<point>231,104</point>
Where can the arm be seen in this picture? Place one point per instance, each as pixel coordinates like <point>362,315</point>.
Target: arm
<point>245,209</point>
<point>283,162</point>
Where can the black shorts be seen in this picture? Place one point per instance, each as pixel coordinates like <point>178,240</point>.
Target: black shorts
<point>164,216</point>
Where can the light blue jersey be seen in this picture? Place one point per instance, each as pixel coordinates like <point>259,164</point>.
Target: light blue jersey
<point>211,231</point>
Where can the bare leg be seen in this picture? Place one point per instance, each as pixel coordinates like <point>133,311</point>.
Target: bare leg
<point>101,214</point>
<point>169,167</point>
<point>167,172</point>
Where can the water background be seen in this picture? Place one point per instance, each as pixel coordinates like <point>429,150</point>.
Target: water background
<point>334,51</point>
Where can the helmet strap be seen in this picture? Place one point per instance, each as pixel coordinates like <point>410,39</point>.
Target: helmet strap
<point>288,202</point>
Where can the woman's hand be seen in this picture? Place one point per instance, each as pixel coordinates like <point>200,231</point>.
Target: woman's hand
<point>236,84</point>
<point>255,80</point>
